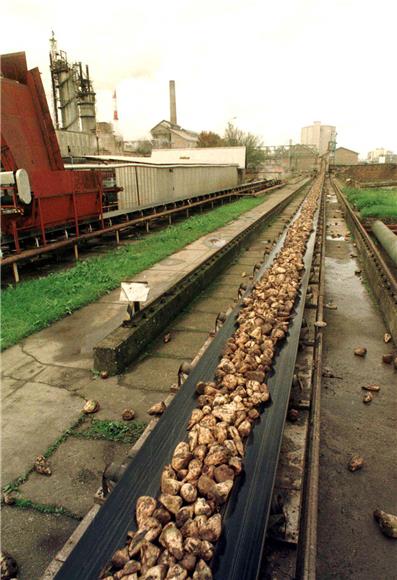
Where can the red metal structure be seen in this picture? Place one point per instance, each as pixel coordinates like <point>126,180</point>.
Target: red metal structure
<point>59,198</point>
<point>45,207</point>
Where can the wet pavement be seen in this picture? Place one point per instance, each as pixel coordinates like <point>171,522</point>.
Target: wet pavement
<point>49,376</point>
<point>350,544</point>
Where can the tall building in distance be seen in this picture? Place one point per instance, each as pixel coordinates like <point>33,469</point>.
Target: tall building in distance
<point>323,137</point>
<point>381,155</point>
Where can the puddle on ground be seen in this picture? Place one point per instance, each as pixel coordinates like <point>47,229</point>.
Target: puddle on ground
<point>215,242</point>
<point>336,238</point>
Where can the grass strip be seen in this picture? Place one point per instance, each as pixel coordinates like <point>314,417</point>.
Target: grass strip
<point>377,203</point>
<point>33,305</point>
<point>45,508</point>
<point>113,431</point>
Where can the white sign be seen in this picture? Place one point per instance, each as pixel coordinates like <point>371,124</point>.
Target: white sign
<point>134,291</point>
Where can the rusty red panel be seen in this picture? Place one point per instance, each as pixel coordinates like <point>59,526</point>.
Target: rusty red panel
<point>53,203</point>
<point>21,128</point>
<point>14,66</point>
<point>55,193</point>
<point>44,118</point>
<point>29,141</point>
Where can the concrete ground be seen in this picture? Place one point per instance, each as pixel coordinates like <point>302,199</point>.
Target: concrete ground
<point>350,544</point>
<point>47,377</point>
<point>46,535</point>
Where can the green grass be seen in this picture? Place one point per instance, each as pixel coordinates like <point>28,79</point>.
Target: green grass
<point>33,305</point>
<point>113,430</point>
<point>45,508</point>
<point>377,203</point>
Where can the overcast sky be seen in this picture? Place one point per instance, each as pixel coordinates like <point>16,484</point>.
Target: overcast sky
<point>270,66</point>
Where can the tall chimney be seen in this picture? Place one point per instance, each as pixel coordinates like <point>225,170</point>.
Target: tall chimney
<point>172,103</point>
<point>115,112</point>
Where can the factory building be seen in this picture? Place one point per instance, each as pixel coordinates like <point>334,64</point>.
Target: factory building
<point>202,155</point>
<point>345,156</point>
<point>108,140</point>
<point>168,134</point>
<point>72,93</point>
<point>323,137</point>
<point>74,113</point>
<point>381,155</point>
<point>76,143</point>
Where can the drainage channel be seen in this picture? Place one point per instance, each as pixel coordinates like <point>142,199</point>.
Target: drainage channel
<point>380,277</point>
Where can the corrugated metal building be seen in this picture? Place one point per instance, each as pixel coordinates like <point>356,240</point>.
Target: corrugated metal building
<point>151,184</point>
<point>148,184</point>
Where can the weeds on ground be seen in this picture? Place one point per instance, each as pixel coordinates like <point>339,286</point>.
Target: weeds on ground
<point>118,431</point>
<point>44,508</point>
<point>377,203</point>
<point>113,431</point>
<point>65,435</point>
<point>16,483</point>
<point>32,305</point>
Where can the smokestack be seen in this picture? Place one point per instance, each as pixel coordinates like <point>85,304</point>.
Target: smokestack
<point>172,103</point>
<point>115,112</point>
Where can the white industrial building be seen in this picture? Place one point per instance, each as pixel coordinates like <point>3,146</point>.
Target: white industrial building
<point>323,137</point>
<point>202,155</point>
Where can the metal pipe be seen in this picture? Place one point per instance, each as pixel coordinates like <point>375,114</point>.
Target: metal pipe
<point>386,238</point>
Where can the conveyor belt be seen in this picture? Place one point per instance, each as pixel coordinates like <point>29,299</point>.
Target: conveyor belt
<point>239,551</point>
<point>108,530</point>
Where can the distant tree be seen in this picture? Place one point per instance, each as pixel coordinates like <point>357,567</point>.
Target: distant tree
<point>209,139</point>
<point>144,148</point>
<point>234,137</point>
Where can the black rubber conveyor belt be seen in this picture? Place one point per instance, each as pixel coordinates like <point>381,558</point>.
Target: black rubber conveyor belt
<point>239,550</point>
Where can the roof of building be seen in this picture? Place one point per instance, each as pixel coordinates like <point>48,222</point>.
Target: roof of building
<point>345,149</point>
<point>126,160</point>
<point>202,155</point>
<point>184,133</point>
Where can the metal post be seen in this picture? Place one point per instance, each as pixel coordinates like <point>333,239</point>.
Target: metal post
<point>15,272</point>
<point>76,251</point>
<point>117,237</point>
<point>147,227</point>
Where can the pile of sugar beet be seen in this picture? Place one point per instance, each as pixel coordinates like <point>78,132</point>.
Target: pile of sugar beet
<point>177,532</point>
